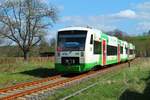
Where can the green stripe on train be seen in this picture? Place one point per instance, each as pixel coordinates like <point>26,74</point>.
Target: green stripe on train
<point>112,61</point>
<point>74,68</point>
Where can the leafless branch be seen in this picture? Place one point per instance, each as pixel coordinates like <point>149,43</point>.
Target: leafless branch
<point>23,20</point>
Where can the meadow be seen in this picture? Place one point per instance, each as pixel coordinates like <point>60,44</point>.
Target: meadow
<point>129,83</point>
<point>15,70</point>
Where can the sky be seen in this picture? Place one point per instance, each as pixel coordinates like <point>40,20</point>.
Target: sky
<point>131,16</point>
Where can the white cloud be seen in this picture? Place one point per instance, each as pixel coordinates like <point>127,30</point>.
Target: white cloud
<point>143,11</point>
<point>99,22</point>
<point>103,22</point>
<point>125,14</point>
<point>44,1</point>
<point>144,6</point>
<point>74,19</point>
<point>140,14</point>
<point>105,27</point>
<point>144,16</point>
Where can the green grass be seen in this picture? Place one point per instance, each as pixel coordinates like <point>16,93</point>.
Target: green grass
<point>124,84</point>
<point>19,71</point>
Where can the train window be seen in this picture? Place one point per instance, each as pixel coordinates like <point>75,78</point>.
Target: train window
<point>97,47</point>
<point>71,40</point>
<point>91,40</point>
<point>111,50</point>
<point>126,50</point>
<point>121,50</point>
<point>131,52</point>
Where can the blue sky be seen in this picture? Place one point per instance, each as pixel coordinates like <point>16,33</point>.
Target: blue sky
<point>131,16</point>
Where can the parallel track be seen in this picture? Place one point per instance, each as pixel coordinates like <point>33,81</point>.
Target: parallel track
<point>22,85</point>
<point>51,83</point>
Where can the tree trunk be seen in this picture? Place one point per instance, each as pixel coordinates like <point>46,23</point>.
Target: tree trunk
<point>26,55</point>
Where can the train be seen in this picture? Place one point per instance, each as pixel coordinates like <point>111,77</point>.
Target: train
<point>80,49</point>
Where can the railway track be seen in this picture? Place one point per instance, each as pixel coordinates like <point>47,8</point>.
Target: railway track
<point>24,90</point>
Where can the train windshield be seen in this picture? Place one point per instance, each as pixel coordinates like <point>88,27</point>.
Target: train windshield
<point>71,40</point>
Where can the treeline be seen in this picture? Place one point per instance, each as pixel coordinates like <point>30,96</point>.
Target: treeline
<point>142,45</point>
<point>141,42</point>
<point>42,49</point>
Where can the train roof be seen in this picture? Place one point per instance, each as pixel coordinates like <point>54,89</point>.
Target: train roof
<point>97,32</point>
<point>79,28</point>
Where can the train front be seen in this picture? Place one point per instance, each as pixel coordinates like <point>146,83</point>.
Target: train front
<point>70,50</point>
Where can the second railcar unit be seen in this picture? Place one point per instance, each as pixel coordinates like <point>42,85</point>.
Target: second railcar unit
<point>79,49</point>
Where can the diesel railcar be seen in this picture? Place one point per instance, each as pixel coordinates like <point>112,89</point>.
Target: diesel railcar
<point>79,49</point>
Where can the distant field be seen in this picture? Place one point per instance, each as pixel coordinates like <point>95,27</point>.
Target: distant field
<point>125,84</point>
<point>14,70</point>
<point>15,60</point>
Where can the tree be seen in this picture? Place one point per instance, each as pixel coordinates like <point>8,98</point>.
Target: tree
<point>25,22</point>
<point>43,46</point>
<point>52,41</point>
<point>52,45</point>
<point>118,33</point>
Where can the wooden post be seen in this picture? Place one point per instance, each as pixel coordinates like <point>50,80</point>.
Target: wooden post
<point>128,63</point>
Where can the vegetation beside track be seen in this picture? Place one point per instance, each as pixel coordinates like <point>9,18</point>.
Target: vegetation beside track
<point>125,84</point>
<point>15,70</point>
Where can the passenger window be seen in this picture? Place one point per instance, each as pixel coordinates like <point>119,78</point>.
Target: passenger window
<point>126,50</point>
<point>97,47</point>
<point>91,40</point>
<point>121,51</point>
<point>111,50</point>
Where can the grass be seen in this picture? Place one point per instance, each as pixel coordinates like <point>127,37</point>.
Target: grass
<point>125,84</point>
<point>14,70</point>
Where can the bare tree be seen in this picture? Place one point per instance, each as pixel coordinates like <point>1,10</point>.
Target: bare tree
<point>25,22</point>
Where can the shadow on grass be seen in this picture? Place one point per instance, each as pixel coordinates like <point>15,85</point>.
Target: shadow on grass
<point>41,72</point>
<point>131,95</point>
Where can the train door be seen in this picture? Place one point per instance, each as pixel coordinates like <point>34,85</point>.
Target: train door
<point>118,52</point>
<point>104,52</point>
